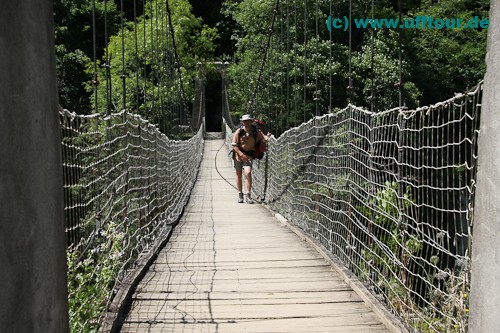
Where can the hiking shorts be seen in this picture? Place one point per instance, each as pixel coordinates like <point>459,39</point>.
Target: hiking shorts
<point>240,165</point>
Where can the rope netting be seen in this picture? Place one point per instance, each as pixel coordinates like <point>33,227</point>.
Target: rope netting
<point>126,180</point>
<point>391,194</point>
<point>125,183</point>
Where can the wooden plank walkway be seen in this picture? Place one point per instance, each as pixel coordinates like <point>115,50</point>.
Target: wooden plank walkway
<point>232,267</point>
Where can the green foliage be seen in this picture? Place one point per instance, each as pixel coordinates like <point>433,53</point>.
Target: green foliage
<point>143,66</point>
<point>146,73</point>
<point>384,213</point>
<point>386,74</point>
<point>449,296</point>
<point>74,47</point>
<point>91,276</point>
<point>446,61</point>
<point>71,66</point>
<point>295,84</point>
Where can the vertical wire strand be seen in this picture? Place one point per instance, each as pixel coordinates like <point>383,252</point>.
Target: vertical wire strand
<point>163,72</point>
<point>136,57</point>
<point>170,73</point>
<point>372,97</point>
<point>350,87</point>
<point>265,55</point>
<point>95,82</point>
<point>182,93</point>
<point>282,48</point>
<point>172,106</point>
<point>287,117</point>
<point>400,84</point>
<point>145,49</point>
<point>123,76</point>
<point>152,61</point>
<point>295,62</point>
<point>305,62</point>
<point>316,93</point>
<point>95,79</point>
<point>330,63</point>
<point>107,64</point>
<point>157,62</point>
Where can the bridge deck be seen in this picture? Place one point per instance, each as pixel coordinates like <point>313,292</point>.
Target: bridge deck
<point>232,267</point>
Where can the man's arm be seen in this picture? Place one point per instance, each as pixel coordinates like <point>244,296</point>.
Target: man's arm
<point>237,149</point>
<point>262,139</point>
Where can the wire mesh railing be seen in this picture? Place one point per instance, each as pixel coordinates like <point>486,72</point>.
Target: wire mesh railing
<point>392,195</point>
<point>124,183</point>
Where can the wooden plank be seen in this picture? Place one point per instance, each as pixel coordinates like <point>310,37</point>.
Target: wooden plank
<point>201,310</point>
<point>232,267</point>
<point>289,325</point>
<point>288,297</point>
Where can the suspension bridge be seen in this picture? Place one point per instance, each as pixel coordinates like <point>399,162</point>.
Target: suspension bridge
<point>230,267</point>
<point>364,218</point>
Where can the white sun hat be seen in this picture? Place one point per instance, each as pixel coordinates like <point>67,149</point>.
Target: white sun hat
<point>246,117</point>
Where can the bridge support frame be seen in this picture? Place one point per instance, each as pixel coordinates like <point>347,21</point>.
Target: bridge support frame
<point>33,292</point>
<point>485,282</point>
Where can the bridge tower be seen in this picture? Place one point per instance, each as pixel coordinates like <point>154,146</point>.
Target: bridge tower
<point>485,282</point>
<point>33,292</point>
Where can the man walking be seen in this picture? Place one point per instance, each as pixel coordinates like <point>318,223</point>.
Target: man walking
<point>245,140</point>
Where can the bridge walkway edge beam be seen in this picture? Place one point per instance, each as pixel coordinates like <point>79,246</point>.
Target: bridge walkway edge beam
<point>390,321</point>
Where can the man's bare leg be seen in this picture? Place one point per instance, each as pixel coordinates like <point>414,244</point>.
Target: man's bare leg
<point>239,185</point>
<point>248,178</point>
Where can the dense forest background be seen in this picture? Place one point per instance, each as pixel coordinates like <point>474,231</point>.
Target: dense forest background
<point>307,67</point>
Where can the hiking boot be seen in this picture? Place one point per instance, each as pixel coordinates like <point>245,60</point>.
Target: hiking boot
<point>249,199</point>
<point>240,197</point>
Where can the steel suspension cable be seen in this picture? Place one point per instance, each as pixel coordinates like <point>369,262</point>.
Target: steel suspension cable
<point>282,77</point>
<point>316,93</point>
<point>136,59</point>
<point>400,83</point>
<point>95,79</point>
<point>178,65</point>
<point>295,43</point>
<point>305,63</point>
<point>330,62</point>
<point>158,63</point>
<point>372,97</point>
<point>162,49</point>
<point>271,77</point>
<point>263,63</point>
<point>123,76</point>
<point>287,118</point>
<point>107,64</point>
<point>145,90</point>
<point>165,69</point>
<point>169,77</point>
<point>152,61</point>
<point>350,86</point>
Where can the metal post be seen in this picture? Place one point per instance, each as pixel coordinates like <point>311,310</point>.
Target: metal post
<point>485,283</point>
<point>33,292</point>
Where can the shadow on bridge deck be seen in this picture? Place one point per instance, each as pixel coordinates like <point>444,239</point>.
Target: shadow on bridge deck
<point>232,267</point>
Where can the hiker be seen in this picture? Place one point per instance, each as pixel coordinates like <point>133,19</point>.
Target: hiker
<point>245,140</point>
